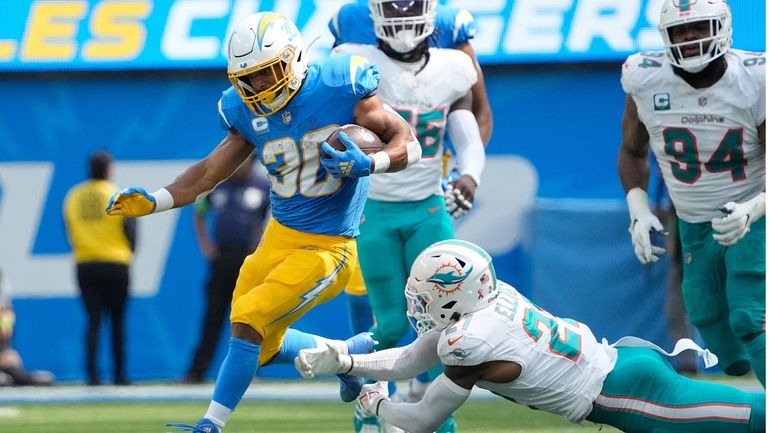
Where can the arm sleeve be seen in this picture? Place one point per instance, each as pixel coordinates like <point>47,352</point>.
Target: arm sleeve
<point>464,133</point>
<point>399,363</point>
<point>441,399</point>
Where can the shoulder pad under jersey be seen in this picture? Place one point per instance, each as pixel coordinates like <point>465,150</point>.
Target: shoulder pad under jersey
<point>353,74</point>
<point>463,347</point>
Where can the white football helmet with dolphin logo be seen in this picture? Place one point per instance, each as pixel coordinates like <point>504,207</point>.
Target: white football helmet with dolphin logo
<point>448,280</point>
<point>403,24</point>
<point>266,40</point>
<point>679,12</point>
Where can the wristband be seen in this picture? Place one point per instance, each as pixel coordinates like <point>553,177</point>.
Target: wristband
<point>381,162</point>
<point>163,200</point>
<point>377,409</point>
<point>350,357</point>
<point>637,202</point>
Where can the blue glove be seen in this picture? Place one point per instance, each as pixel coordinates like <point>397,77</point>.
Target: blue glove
<point>352,162</point>
<point>451,177</point>
<point>131,202</point>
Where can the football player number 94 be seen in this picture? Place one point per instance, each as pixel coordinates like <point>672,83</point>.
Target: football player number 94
<point>297,166</point>
<point>681,144</point>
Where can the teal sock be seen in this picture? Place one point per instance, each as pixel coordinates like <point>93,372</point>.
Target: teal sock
<point>756,349</point>
<point>758,409</point>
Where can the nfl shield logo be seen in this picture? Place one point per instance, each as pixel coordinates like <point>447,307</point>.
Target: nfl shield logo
<point>703,101</point>
<point>286,117</point>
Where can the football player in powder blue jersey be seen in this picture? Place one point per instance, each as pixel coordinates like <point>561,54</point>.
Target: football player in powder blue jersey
<point>283,109</point>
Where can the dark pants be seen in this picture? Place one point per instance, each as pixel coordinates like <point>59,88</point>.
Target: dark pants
<point>104,289</point>
<point>219,293</point>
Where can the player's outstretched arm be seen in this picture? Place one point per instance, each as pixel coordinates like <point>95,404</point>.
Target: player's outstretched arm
<point>481,108</point>
<point>391,364</point>
<point>444,395</point>
<point>403,148</point>
<point>198,179</point>
<point>441,399</point>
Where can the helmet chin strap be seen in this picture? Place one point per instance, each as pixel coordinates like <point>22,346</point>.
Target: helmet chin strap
<point>415,55</point>
<point>706,76</point>
<point>279,98</point>
<point>695,69</point>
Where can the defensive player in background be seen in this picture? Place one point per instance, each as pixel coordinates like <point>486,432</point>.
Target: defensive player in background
<point>701,107</point>
<point>283,109</point>
<point>454,28</point>
<point>405,212</point>
<point>487,334</point>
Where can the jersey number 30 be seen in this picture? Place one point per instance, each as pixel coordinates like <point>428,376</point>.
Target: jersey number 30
<point>296,168</point>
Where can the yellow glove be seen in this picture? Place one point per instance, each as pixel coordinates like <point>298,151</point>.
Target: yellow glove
<point>131,202</point>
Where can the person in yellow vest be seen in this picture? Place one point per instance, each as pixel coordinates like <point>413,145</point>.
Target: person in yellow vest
<point>102,247</point>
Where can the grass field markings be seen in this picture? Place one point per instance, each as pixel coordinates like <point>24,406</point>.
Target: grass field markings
<point>9,412</point>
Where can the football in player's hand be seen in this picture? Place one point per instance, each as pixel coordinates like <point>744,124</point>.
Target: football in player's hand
<point>366,140</point>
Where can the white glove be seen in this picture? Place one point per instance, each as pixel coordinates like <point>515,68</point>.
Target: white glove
<point>321,360</point>
<point>456,203</point>
<point>371,396</point>
<point>733,227</point>
<point>643,221</point>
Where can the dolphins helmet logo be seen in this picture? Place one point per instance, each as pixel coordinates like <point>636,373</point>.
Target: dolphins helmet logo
<point>448,278</point>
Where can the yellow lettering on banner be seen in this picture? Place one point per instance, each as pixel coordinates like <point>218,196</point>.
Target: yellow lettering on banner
<point>7,50</point>
<point>118,29</point>
<point>52,29</point>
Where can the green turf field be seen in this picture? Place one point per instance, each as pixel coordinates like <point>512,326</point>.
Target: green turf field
<point>487,416</point>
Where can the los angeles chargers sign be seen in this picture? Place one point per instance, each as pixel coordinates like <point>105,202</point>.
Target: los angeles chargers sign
<point>150,34</point>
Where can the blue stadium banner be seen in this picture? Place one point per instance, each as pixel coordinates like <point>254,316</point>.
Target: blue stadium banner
<point>159,34</point>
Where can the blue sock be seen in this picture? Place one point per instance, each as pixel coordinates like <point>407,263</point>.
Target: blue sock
<point>293,342</point>
<point>423,378</point>
<point>361,316</point>
<point>236,372</point>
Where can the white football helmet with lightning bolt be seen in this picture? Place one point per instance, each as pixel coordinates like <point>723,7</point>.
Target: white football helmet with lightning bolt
<point>262,41</point>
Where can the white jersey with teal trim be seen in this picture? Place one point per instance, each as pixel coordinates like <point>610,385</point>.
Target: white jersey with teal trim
<point>422,96</point>
<point>705,140</point>
<point>563,367</point>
